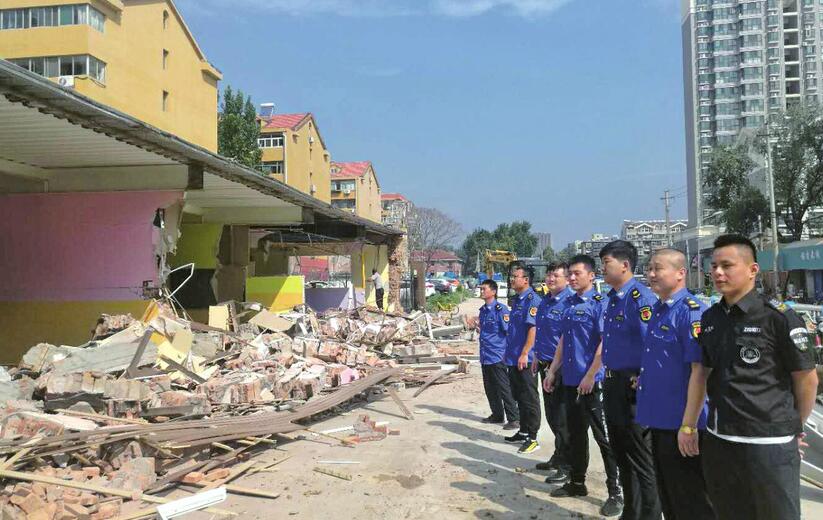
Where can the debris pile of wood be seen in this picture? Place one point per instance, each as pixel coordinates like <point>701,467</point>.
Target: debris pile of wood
<point>163,400</point>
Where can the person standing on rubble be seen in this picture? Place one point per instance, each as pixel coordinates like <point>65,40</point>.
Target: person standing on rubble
<point>549,321</point>
<point>671,350</point>
<point>758,370</point>
<point>493,323</point>
<point>519,357</point>
<point>578,356</point>
<point>377,281</point>
<point>625,320</point>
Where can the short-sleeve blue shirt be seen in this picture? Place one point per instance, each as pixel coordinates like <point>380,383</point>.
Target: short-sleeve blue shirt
<point>625,320</point>
<point>494,323</point>
<point>523,314</point>
<point>549,321</point>
<point>581,336</point>
<point>670,347</point>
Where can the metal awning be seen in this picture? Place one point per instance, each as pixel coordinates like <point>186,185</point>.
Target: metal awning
<point>54,139</point>
<point>796,256</point>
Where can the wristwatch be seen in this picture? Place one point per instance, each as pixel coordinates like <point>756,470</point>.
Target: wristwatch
<point>688,430</point>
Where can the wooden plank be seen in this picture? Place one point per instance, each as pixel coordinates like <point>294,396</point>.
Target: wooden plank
<point>396,398</point>
<point>128,495</point>
<point>434,378</point>
<point>100,417</point>
<point>233,474</point>
<point>239,490</point>
<point>343,476</point>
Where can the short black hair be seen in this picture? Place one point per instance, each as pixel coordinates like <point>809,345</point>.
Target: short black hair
<point>526,274</point>
<point>554,266</point>
<point>585,260</point>
<point>621,250</point>
<point>733,239</point>
<point>491,284</point>
<point>374,271</point>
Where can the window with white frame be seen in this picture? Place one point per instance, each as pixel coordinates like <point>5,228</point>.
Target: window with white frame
<point>54,66</point>
<point>270,141</point>
<point>272,167</point>
<point>52,16</point>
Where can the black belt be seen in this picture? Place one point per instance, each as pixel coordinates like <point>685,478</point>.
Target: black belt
<point>625,373</point>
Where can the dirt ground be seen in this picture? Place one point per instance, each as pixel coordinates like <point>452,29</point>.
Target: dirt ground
<point>444,464</point>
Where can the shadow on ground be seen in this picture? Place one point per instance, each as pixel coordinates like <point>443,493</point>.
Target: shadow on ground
<point>510,480</point>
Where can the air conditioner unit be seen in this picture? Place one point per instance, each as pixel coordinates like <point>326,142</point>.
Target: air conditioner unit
<point>313,188</point>
<point>347,191</point>
<point>311,139</point>
<point>66,81</point>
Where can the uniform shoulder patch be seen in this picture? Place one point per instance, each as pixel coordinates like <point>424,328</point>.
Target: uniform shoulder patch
<point>506,317</point>
<point>692,304</point>
<point>530,296</point>
<point>777,304</point>
<point>498,307</point>
<point>645,313</point>
<point>635,294</point>
<point>695,329</point>
<point>598,297</point>
<point>800,338</point>
<point>533,312</point>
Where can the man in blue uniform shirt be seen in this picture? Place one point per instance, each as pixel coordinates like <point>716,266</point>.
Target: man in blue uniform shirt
<point>519,355</point>
<point>627,314</point>
<point>670,349</point>
<point>493,323</point>
<point>578,357</point>
<point>549,321</point>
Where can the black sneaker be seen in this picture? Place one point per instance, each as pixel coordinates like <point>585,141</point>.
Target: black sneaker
<point>613,506</point>
<point>557,476</point>
<point>529,445</point>
<point>570,489</point>
<point>512,425</point>
<point>517,437</point>
<point>493,420</point>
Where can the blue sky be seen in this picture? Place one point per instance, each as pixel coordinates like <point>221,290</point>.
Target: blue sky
<point>566,113</point>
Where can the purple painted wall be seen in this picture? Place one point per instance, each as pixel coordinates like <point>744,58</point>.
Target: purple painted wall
<point>78,246</point>
<point>321,299</point>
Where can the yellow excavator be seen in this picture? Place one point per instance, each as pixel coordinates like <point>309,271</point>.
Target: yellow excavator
<point>535,267</point>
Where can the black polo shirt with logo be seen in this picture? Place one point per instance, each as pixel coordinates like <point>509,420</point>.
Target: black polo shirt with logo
<point>752,348</point>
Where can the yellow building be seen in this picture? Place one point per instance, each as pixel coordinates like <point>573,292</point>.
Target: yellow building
<point>137,56</point>
<point>294,153</point>
<point>354,188</point>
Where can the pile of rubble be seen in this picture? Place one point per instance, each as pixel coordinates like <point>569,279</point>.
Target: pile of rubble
<point>164,400</point>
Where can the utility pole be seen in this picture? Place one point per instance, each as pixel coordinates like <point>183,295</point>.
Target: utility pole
<point>666,200</point>
<point>773,210</point>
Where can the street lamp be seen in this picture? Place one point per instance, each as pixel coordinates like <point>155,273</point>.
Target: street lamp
<point>773,211</point>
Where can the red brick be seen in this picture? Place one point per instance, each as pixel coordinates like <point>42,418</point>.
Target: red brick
<point>193,478</point>
<point>27,501</point>
<point>77,511</point>
<point>87,499</point>
<point>107,510</point>
<point>217,474</point>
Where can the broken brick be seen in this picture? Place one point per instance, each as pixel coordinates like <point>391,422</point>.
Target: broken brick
<point>193,478</point>
<point>27,500</point>
<point>217,474</point>
<point>77,511</point>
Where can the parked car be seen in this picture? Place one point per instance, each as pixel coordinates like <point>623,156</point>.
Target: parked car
<point>430,288</point>
<point>440,285</point>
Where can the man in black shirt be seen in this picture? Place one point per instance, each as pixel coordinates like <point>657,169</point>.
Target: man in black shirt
<point>759,371</point>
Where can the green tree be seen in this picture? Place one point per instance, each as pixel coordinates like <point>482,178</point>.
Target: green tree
<point>797,164</point>
<point>566,253</point>
<point>549,255</point>
<point>474,245</point>
<point>515,237</point>
<point>729,191</point>
<point>238,129</point>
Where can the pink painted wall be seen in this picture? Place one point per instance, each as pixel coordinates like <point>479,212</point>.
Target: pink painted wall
<point>78,246</point>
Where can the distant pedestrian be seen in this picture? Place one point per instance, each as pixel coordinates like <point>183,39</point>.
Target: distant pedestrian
<point>377,281</point>
<point>670,351</point>
<point>493,323</point>
<point>578,358</point>
<point>758,369</point>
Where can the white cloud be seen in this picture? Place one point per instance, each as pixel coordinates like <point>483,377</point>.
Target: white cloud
<point>524,8</point>
<point>375,8</point>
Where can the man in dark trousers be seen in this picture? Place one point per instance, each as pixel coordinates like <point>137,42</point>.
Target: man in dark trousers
<point>377,281</point>
<point>493,323</point>
<point>670,350</point>
<point>549,322</point>
<point>628,311</point>
<point>578,355</point>
<point>519,355</point>
<point>759,372</point>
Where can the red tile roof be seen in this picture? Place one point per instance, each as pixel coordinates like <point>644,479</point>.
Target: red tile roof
<point>438,255</point>
<point>348,170</point>
<point>290,121</point>
<point>392,196</point>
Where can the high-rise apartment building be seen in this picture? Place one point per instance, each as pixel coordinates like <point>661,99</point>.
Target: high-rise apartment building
<point>743,59</point>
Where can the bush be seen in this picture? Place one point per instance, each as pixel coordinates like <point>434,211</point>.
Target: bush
<point>434,302</point>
